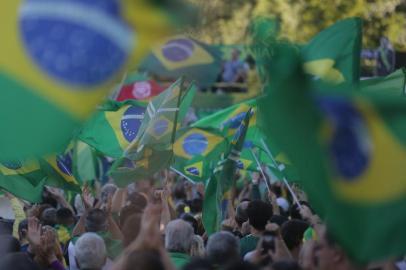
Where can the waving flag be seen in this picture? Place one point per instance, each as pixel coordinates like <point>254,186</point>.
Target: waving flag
<point>222,179</point>
<point>351,159</point>
<point>151,151</point>
<point>24,179</point>
<point>140,88</point>
<point>333,55</point>
<point>114,127</point>
<point>193,150</point>
<point>394,84</point>
<point>53,69</point>
<point>182,56</point>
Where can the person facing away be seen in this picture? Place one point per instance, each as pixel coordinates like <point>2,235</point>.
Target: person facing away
<point>223,248</point>
<point>90,252</point>
<point>178,241</point>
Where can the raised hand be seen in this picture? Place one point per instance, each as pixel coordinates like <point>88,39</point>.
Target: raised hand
<point>34,232</point>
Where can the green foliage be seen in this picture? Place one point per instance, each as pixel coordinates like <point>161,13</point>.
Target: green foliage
<point>225,21</point>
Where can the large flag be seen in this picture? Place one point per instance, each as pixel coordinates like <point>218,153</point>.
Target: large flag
<point>349,148</point>
<point>222,179</point>
<point>194,149</point>
<point>54,69</point>
<point>151,151</point>
<point>333,55</point>
<point>24,180</point>
<point>183,56</point>
<point>114,127</point>
<point>394,84</point>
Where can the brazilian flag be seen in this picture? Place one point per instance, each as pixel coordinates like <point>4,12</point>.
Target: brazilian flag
<point>393,84</point>
<point>350,149</point>
<point>183,56</point>
<point>114,126</point>
<point>151,151</point>
<point>24,179</point>
<point>222,179</point>
<point>54,69</point>
<point>194,148</point>
<point>333,55</point>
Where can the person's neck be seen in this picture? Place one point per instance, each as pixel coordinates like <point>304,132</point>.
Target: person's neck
<point>256,232</point>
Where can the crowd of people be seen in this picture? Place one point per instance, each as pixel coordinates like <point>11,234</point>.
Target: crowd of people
<point>156,224</point>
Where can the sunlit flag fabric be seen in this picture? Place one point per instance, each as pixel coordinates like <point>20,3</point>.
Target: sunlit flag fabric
<point>222,179</point>
<point>183,56</point>
<point>394,84</point>
<point>151,151</point>
<point>24,179</point>
<point>333,55</point>
<point>53,64</point>
<point>350,149</point>
<point>193,150</point>
<point>114,126</point>
<point>141,89</point>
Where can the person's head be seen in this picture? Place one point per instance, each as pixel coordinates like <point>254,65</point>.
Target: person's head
<point>178,236</point>
<point>96,221</point>
<point>18,261</point>
<point>235,54</point>
<point>196,205</point>
<point>143,259</point>
<point>137,200</point>
<point>259,213</point>
<point>128,211</point>
<point>329,255</point>
<point>48,217</point>
<point>278,219</point>
<point>131,228</point>
<point>180,208</point>
<point>8,244</point>
<point>178,191</point>
<point>90,252</point>
<point>197,248</point>
<point>191,220</point>
<point>64,216</point>
<point>106,191</point>
<point>22,230</point>
<point>292,233</point>
<point>241,214</point>
<point>223,248</point>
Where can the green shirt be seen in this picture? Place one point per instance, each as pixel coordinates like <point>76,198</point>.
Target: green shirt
<point>248,243</point>
<point>179,259</point>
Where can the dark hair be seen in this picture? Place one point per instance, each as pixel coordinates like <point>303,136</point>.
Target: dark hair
<point>292,232</point>
<point>64,216</point>
<point>259,213</point>
<point>128,211</point>
<point>278,219</point>
<point>196,205</point>
<point>18,261</point>
<point>96,221</point>
<point>137,200</point>
<point>191,220</point>
<point>199,264</point>
<point>286,265</point>
<point>294,210</point>
<point>178,191</point>
<point>145,260</point>
<point>8,244</point>
<point>241,214</point>
<point>48,217</point>
<point>23,229</point>
<point>131,228</point>
<point>241,265</point>
<point>180,209</point>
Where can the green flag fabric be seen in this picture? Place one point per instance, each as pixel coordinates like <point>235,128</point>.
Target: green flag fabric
<point>222,178</point>
<point>394,84</point>
<point>114,127</point>
<point>151,151</point>
<point>333,55</point>
<point>349,148</point>
<point>24,180</point>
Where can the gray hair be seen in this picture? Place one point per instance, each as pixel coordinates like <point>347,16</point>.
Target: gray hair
<point>178,236</point>
<point>223,247</point>
<point>90,251</point>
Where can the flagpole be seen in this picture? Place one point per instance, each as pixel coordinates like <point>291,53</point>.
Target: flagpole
<point>181,174</point>
<point>268,185</point>
<point>283,178</point>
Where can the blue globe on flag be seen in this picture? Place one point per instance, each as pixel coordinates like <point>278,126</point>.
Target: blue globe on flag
<point>131,122</point>
<point>64,163</point>
<point>12,165</point>
<point>79,42</point>
<point>178,50</point>
<point>195,144</point>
